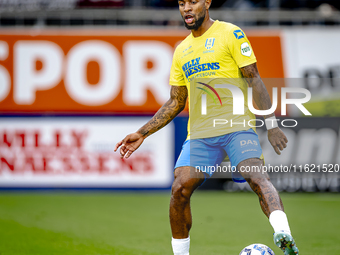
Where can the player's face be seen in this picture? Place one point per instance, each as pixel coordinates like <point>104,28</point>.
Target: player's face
<point>193,13</point>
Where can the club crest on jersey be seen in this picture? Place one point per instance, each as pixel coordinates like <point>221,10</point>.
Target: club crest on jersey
<point>239,34</point>
<point>209,43</point>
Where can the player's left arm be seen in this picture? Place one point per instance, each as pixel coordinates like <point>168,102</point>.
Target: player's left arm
<point>275,136</point>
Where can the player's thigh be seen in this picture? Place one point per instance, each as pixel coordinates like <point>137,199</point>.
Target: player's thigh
<point>251,169</point>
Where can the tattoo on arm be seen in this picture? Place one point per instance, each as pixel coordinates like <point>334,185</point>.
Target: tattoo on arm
<point>260,93</point>
<point>176,103</point>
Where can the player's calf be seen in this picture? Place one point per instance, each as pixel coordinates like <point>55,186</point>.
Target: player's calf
<point>260,183</point>
<point>183,186</point>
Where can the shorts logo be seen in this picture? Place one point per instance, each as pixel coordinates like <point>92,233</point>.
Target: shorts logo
<point>239,34</point>
<point>209,43</point>
<point>244,142</point>
<point>245,49</point>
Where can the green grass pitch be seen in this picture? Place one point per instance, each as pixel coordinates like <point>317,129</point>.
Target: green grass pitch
<point>138,224</point>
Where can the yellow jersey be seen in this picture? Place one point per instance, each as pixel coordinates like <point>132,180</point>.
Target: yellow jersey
<point>211,59</point>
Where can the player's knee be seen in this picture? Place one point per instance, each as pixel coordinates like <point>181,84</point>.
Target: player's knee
<point>183,186</point>
<point>182,189</point>
<point>180,192</point>
<point>259,182</point>
<point>252,170</point>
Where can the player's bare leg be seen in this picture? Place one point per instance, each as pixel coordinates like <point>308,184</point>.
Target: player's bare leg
<point>271,204</point>
<point>260,183</point>
<point>180,213</point>
<point>182,189</point>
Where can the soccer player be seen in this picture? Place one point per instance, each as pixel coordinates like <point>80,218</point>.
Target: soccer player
<point>215,49</point>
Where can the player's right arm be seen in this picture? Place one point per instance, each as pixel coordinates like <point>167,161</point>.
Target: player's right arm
<point>176,103</point>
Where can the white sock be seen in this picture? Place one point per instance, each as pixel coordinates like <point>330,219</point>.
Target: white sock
<point>279,221</point>
<point>181,246</point>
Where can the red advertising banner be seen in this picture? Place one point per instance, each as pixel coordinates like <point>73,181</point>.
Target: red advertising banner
<point>111,71</point>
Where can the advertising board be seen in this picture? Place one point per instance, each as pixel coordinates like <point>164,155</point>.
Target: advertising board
<point>74,152</point>
<point>112,71</point>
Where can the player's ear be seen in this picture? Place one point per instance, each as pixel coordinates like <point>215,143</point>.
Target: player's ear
<point>207,4</point>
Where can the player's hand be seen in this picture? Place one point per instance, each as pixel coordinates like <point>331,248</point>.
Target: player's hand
<point>277,139</point>
<point>129,144</point>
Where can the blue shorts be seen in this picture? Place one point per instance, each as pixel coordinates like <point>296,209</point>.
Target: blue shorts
<point>207,152</point>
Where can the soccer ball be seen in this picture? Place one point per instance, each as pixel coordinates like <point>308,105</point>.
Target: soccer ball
<point>257,249</point>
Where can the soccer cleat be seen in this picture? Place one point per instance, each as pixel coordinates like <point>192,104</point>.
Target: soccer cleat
<point>286,243</point>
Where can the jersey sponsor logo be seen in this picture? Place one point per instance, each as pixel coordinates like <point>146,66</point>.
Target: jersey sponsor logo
<point>245,49</point>
<point>239,34</point>
<point>209,43</point>
<point>201,75</point>
<point>193,66</point>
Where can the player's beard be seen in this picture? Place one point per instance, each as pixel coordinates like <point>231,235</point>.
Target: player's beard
<point>198,22</point>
